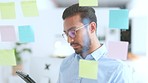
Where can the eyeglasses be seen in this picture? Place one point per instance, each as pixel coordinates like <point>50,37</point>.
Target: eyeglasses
<point>72,33</point>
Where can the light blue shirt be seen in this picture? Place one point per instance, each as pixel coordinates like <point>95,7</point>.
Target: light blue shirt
<point>109,70</point>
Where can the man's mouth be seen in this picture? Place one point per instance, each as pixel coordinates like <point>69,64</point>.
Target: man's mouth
<point>74,45</point>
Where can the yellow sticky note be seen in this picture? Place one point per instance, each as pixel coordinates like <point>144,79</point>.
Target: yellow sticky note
<point>88,2</point>
<point>7,10</point>
<point>29,8</point>
<point>7,57</point>
<point>88,69</point>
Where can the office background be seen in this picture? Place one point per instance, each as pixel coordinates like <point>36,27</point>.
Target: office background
<point>48,43</point>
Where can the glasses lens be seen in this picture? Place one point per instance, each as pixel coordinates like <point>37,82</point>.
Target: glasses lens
<point>64,36</point>
<point>72,33</point>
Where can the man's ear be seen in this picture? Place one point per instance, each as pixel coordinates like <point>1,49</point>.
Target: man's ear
<point>92,27</point>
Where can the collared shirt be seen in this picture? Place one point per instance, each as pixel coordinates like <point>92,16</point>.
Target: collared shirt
<point>109,70</point>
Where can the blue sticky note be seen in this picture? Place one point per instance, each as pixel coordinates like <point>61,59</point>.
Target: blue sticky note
<point>25,34</point>
<point>118,19</point>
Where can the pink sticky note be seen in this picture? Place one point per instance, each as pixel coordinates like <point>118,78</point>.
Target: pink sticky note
<point>117,49</point>
<point>7,33</point>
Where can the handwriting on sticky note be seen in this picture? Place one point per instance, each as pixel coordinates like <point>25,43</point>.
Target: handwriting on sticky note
<point>7,57</point>
<point>118,19</point>
<point>88,2</point>
<point>88,69</point>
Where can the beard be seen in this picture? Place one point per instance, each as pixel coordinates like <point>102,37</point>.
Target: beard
<point>85,47</point>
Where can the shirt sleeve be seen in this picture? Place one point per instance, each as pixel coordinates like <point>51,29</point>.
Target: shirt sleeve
<point>58,81</point>
<point>60,77</point>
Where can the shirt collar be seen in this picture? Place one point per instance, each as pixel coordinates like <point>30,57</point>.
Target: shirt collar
<point>97,54</point>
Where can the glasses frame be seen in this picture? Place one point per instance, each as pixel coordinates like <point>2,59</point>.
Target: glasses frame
<point>66,35</point>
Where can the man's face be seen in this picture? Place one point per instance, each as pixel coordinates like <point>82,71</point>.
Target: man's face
<point>80,41</point>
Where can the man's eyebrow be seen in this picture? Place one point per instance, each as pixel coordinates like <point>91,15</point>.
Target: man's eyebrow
<point>72,28</point>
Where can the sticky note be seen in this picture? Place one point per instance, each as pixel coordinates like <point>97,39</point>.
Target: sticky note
<point>8,34</point>
<point>88,2</point>
<point>88,69</point>
<point>117,49</point>
<point>29,8</point>
<point>118,19</point>
<point>7,10</point>
<point>7,57</point>
<point>26,34</point>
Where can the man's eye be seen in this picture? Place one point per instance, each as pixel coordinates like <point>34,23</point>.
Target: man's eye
<point>72,33</point>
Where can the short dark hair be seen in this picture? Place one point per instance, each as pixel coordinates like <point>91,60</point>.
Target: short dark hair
<point>84,11</point>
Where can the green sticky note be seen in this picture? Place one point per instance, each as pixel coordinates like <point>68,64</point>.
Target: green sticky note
<point>29,8</point>
<point>88,69</point>
<point>26,34</point>
<point>88,2</point>
<point>118,19</point>
<point>7,10</point>
<point>7,57</point>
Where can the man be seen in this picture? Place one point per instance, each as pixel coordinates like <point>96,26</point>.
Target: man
<point>80,26</point>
